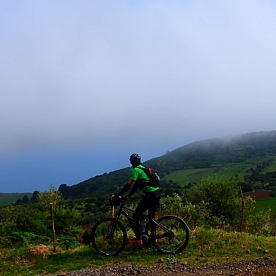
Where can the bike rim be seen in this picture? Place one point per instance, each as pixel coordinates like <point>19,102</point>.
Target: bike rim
<point>171,235</point>
<point>107,242</point>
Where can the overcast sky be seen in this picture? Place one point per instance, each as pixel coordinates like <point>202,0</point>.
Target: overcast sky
<point>84,84</point>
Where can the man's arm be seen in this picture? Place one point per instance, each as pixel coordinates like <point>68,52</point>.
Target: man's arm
<point>125,188</point>
<point>133,190</point>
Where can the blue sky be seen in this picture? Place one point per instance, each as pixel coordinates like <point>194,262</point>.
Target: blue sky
<point>84,84</point>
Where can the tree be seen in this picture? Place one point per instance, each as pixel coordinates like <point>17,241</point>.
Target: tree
<point>63,188</point>
<point>220,196</point>
<point>34,197</point>
<point>50,196</point>
<point>18,201</point>
<point>25,199</point>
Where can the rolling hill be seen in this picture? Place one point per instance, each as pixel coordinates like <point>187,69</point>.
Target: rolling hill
<point>9,198</point>
<point>250,158</point>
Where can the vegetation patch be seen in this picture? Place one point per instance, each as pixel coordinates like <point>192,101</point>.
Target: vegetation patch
<point>207,246</point>
<point>266,204</point>
<point>224,190</point>
<point>7,199</point>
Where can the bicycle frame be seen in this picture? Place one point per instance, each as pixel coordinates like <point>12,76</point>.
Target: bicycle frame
<point>169,234</point>
<point>122,212</point>
<point>149,223</point>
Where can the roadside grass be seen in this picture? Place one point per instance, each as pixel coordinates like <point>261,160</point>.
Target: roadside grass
<point>206,246</point>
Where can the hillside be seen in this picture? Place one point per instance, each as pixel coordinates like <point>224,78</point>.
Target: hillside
<point>7,199</point>
<point>214,235</point>
<point>251,158</point>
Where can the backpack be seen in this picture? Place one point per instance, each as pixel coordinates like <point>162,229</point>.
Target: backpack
<point>154,177</point>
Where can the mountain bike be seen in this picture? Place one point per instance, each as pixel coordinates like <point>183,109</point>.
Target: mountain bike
<point>169,234</point>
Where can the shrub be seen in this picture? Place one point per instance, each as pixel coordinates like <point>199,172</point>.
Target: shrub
<point>220,198</point>
<point>86,236</point>
<point>194,215</point>
<point>260,223</point>
<point>17,239</point>
<point>65,219</point>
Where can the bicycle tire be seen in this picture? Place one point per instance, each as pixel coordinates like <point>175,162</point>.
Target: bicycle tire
<point>108,246</point>
<point>174,239</point>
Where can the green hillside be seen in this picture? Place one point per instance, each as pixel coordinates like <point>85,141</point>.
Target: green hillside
<point>250,158</point>
<point>7,199</point>
<point>265,204</point>
<point>212,210</point>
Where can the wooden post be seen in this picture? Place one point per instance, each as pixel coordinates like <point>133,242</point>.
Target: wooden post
<point>242,212</point>
<point>112,211</point>
<point>53,227</point>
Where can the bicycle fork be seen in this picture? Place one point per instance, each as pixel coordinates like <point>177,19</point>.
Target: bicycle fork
<point>110,234</point>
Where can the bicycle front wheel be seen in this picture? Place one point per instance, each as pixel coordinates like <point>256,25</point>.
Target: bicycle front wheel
<point>171,234</point>
<point>109,237</point>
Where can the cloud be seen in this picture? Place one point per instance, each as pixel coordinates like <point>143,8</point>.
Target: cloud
<point>104,74</point>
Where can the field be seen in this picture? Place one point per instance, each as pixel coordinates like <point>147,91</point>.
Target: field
<point>271,168</point>
<point>184,177</point>
<point>263,201</point>
<point>6,199</point>
<point>265,204</point>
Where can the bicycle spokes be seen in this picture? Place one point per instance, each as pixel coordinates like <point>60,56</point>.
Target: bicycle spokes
<point>109,238</point>
<point>171,234</point>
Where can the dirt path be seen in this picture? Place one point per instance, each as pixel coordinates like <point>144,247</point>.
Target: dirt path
<point>255,272</point>
<point>260,267</point>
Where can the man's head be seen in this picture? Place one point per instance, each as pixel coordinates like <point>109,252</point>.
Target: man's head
<point>135,159</point>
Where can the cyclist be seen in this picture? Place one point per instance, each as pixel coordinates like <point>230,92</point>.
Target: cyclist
<point>150,201</point>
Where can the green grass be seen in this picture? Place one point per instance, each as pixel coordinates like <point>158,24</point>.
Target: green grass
<point>183,177</point>
<point>265,204</point>
<point>7,199</point>
<point>205,246</point>
<point>233,170</point>
<point>271,168</point>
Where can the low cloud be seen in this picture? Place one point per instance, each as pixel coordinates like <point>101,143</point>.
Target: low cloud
<point>91,75</point>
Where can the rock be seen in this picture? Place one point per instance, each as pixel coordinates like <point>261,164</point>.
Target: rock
<point>265,266</point>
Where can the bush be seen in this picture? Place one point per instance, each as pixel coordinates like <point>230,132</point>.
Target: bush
<point>220,198</point>
<point>6,228</point>
<point>86,236</point>
<point>17,239</point>
<point>67,242</point>
<point>194,215</point>
<point>5,242</point>
<point>32,238</point>
<point>65,219</point>
<point>260,223</point>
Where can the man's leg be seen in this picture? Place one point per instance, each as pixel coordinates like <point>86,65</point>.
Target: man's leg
<point>141,208</point>
<point>149,201</point>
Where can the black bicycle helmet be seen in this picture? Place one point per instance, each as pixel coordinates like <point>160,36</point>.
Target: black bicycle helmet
<point>134,156</point>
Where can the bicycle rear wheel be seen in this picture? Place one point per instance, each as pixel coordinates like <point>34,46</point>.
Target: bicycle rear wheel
<point>109,237</point>
<point>171,234</point>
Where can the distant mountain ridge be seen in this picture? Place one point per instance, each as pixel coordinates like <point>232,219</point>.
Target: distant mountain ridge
<point>178,168</point>
<point>250,157</point>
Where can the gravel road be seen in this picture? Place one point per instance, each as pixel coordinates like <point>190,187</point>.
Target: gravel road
<point>260,267</point>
